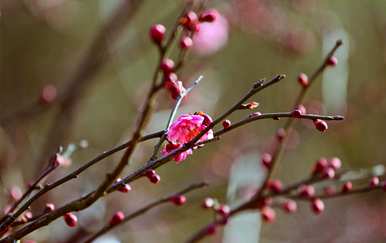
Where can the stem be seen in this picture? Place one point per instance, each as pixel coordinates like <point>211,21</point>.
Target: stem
<point>143,210</point>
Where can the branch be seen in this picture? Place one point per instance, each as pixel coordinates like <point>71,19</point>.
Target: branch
<point>153,164</point>
<point>276,116</point>
<point>90,198</point>
<point>143,210</point>
<point>251,204</point>
<point>288,125</point>
<point>9,218</point>
<point>75,87</point>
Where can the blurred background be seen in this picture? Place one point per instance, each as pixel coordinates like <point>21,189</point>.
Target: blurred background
<point>43,43</point>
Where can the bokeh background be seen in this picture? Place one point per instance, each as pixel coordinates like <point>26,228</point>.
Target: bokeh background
<point>42,43</point>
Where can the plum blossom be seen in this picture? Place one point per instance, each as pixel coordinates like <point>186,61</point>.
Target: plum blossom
<point>187,126</point>
<point>183,130</point>
<point>212,36</point>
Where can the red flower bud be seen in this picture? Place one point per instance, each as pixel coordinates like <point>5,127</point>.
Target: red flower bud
<point>299,111</point>
<point>190,21</point>
<point>275,186</point>
<point>223,210</point>
<point>157,33</point>
<point>317,206</point>
<point>332,61</point>
<point>208,203</point>
<point>307,191</point>
<point>347,186</point>
<point>374,181</point>
<point>153,176</point>
<point>186,42</point>
<point>226,124</point>
<point>48,94</point>
<point>335,163</point>
<point>178,200</point>
<point>268,214</point>
<point>290,206</point>
<point>320,125</point>
<point>117,218</point>
<point>303,80</point>
<point>209,15</point>
<point>207,119</point>
<point>167,65</point>
<point>49,207</point>
<point>328,173</point>
<point>211,229</point>
<point>320,166</point>
<point>125,188</point>
<point>70,219</point>
<point>266,160</point>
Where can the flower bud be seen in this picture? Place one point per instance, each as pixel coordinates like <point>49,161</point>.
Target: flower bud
<point>157,33</point>
<point>70,219</point>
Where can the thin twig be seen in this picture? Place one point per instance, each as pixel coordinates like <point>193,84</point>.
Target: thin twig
<point>153,164</point>
<point>83,76</point>
<point>5,221</point>
<point>90,198</point>
<point>146,208</point>
<point>251,204</point>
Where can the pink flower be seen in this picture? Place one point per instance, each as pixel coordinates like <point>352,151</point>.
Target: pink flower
<point>186,127</point>
<point>183,130</point>
<point>212,36</point>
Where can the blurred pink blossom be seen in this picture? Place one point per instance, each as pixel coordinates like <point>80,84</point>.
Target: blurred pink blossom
<point>212,36</point>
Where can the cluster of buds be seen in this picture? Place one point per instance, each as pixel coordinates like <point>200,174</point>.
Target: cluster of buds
<point>319,124</point>
<point>326,168</point>
<point>222,210</point>
<point>190,22</point>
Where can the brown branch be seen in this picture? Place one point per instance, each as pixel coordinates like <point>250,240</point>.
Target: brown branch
<point>252,203</point>
<point>143,210</point>
<point>276,116</point>
<point>90,198</point>
<point>276,155</point>
<point>153,164</point>
<point>9,218</point>
<point>95,57</point>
